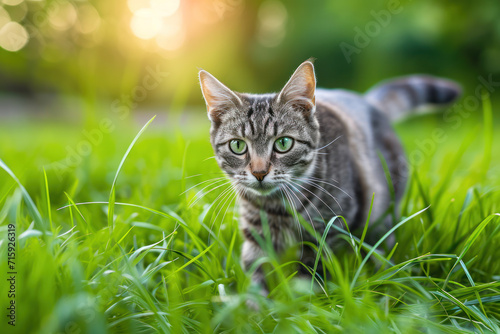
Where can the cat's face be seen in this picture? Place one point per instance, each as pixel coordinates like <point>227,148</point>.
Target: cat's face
<point>264,142</point>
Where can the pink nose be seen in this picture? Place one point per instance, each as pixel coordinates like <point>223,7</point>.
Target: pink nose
<point>259,175</point>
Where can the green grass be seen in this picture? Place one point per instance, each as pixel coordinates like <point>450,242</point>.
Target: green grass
<point>144,255</point>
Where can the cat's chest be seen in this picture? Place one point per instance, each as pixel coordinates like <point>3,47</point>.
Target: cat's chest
<point>272,215</point>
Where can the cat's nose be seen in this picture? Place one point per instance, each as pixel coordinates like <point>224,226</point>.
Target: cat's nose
<point>260,175</point>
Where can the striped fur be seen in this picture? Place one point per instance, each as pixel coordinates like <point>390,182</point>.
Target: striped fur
<point>333,167</point>
<point>397,97</point>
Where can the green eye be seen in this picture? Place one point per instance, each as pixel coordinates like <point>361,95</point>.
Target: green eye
<point>238,146</point>
<point>283,144</point>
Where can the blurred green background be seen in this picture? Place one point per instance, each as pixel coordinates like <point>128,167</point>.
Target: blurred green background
<point>100,50</point>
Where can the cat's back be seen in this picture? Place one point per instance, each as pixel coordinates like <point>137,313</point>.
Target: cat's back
<point>350,107</point>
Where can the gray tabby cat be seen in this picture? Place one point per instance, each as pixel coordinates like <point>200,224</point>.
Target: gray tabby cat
<point>316,150</point>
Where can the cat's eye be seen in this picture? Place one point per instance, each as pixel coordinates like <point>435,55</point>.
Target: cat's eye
<point>238,146</point>
<point>283,144</point>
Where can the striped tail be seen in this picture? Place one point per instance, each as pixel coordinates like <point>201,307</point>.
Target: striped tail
<point>398,97</point>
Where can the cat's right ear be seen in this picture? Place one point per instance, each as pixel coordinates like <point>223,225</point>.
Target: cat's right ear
<point>218,97</point>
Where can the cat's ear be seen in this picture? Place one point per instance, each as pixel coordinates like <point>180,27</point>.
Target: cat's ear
<point>300,89</point>
<point>218,97</point>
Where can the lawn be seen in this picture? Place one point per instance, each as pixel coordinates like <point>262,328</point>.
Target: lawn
<point>113,235</point>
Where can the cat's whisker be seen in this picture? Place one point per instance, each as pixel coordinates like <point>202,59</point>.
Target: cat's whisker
<point>222,204</point>
<point>210,173</point>
<point>237,201</point>
<point>213,181</point>
<point>217,198</point>
<point>212,157</point>
<point>191,176</point>
<point>206,193</point>
<point>313,206</point>
<point>201,193</point>
<point>296,218</point>
<point>221,199</point>
<point>333,141</point>
<point>315,183</point>
<point>234,198</point>
<point>238,191</point>
<point>316,180</point>
<point>305,209</point>
<point>323,190</point>
<point>198,184</point>
<point>214,203</point>
<point>296,183</point>
<point>321,180</point>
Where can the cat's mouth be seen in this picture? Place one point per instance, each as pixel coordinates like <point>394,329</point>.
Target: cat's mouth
<point>262,188</point>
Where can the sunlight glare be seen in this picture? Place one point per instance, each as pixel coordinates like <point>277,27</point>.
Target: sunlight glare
<point>165,7</point>
<point>145,23</point>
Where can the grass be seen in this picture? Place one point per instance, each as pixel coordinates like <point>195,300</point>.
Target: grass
<point>145,254</point>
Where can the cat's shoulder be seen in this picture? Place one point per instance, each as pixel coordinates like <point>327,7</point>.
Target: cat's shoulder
<point>344,106</point>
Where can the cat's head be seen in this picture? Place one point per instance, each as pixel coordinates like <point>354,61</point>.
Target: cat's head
<point>264,142</point>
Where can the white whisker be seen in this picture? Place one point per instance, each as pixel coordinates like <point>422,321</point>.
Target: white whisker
<point>311,183</point>
<point>333,141</point>
<point>321,180</point>
<point>296,183</point>
<point>314,180</point>
<point>296,218</point>
<point>305,209</point>
<point>206,193</point>
<point>222,204</point>
<point>196,185</point>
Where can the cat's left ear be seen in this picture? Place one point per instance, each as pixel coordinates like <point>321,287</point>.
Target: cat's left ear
<point>300,89</point>
<point>218,97</point>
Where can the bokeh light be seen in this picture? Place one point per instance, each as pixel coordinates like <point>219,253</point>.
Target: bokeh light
<point>63,16</point>
<point>172,35</point>
<point>165,7</point>
<point>160,19</point>
<point>12,2</point>
<point>13,36</point>
<point>4,17</point>
<point>135,5</point>
<point>88,19</point>
<point>145,23</point>
<point>18,13</point>
<point>272,19</point>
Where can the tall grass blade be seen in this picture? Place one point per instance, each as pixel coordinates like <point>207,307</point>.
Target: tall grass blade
<point>111,205</point>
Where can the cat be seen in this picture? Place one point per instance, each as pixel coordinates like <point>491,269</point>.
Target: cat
<point>320,151</point>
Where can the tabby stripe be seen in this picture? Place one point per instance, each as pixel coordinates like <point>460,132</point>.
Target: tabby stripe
<point>252,127</point>
<point>413,97</point>
<point>248,235</point>
<point>432,93</point>
<point>243,129</point>
<point>307,143</point>
<point>252,219</point>
<point>304,162</point>
<point>267,123</point>
<point>276,211</point>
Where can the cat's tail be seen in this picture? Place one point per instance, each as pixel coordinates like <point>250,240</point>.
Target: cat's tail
<point>399,97</point>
